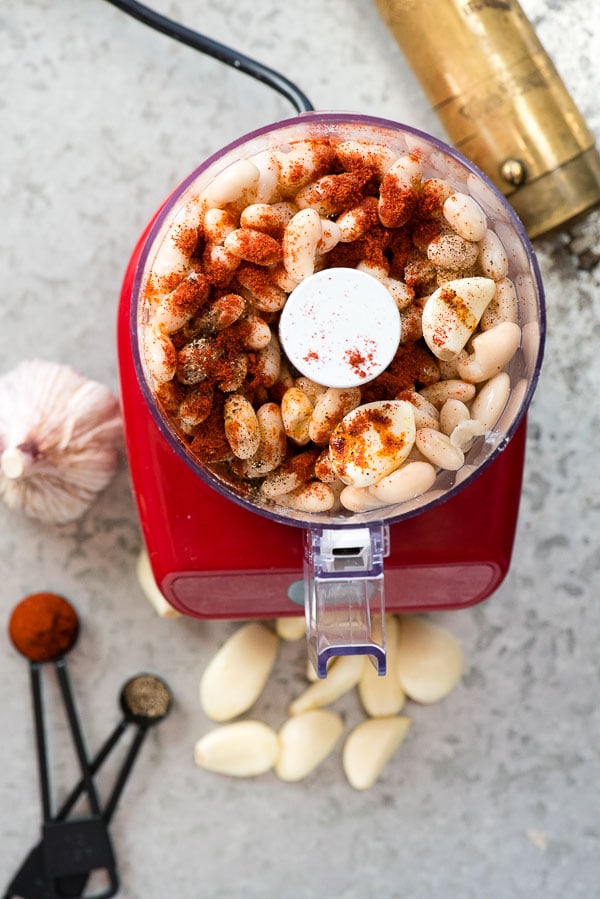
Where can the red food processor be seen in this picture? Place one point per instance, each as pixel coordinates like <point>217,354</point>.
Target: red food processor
<point>218,554</point>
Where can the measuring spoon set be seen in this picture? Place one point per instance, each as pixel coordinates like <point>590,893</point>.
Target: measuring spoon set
<point>44,628</point>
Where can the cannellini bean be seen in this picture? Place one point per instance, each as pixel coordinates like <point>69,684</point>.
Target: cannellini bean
<point>253,246</point>
<point>282,278</point>
<point>219,264</point>
<point>371,441</point>
<point>452,252</point>
<point>452,413</point>
<point>430,659</point>
<point>241,749</point>
<point>355,154</point>
<point>268,175</point>
<point>268,363</point>
<point>370,746</point>
<point>238,181</point>
<point>313,497</point>
<point>410,480</point>
<point>264,294</point>
<point>217,225</point>
<point>502,307</point>
<point>181,304</point>
<point>330,236</point>
<point>273,443</point>
<point>447,369</point>
<point>398,191</point>
<point>195,359</point>
<point>236,676</point>
<point>464,434</point>
<point>452,313</point>
<point>330,408</point>
<point>465,216</point>
<point>257,334</point>
<point>300,239</point>
<point>296,412</point>
<point>357,221</point>
<point>491,400</point>
<point>291,627</point>
<point>402,294</point>
<point>426,415</point>
<point>305,741</point>
<point>196,407</point>
<point>324,470</point>
<point>222,313</point>
<point>492,256</point>
<point>241,426</point>
<point>149,587</point>
<point>359,499</point>
<point>159,355</point>
<point>383,696</point>
<point>451,389</point>
<point>291,474</point>
<point>379,272</point>
<point>310,388</point>
<point>343,674</point>
<point>259,216</point>
<point>439,450</point>
<point>303,163</point>
<point>331,194</point>
<point>172,263</point>
<point>233,373</point>
<point>491,351</point>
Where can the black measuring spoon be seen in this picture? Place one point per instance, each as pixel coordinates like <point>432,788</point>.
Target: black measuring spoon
<point>44,627</point>
<point>145,700</point>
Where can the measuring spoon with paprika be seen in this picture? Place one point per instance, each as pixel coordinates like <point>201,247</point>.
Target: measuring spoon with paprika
<point>44,627</point>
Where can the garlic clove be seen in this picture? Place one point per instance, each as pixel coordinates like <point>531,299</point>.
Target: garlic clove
<point>382,696</point>
<point>60,437</point>
<point>305,741</point>
<point>430,659</point>
<point>147,582</point>
<point>292,627</point>
<point>369,747</point>
<point>242,749</point>
<point>237,674</point>
<point>343,674</point>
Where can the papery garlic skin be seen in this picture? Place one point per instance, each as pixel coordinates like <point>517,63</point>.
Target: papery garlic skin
<point>60,437</point>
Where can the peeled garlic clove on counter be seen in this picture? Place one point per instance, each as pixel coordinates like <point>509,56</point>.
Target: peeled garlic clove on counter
<point>452,312</point>
<point>383,696</point>
<point>343,674</point>
<point>430,659</point>
<point>372,441</point>
<point>60,436</point>
<point>305,741</point>
<point>147,582</point>
<point>292,627</point>
<point>370,746</point>
<point>236,675</point>
<point>242,749</point>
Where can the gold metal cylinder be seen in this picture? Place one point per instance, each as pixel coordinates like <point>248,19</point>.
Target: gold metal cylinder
<point>502,103</point>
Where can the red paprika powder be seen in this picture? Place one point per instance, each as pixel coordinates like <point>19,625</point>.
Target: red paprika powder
<point>43,626</point>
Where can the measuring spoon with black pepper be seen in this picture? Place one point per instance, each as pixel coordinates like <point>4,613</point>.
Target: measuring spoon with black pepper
<point>145,700</point>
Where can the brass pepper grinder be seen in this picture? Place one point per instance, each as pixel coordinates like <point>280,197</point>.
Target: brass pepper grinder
<point>502,103</point>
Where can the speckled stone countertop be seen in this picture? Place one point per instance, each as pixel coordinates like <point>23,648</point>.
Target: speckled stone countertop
<point>496,791</point>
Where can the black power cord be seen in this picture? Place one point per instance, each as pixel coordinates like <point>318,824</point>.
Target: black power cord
<point>219,51</point>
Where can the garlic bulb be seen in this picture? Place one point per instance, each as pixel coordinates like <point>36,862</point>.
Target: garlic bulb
<point>60,435</point>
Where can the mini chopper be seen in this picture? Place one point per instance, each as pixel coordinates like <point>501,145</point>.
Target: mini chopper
<point>216,554</point>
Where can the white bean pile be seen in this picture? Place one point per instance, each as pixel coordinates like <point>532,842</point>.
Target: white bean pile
<point>222,274</point>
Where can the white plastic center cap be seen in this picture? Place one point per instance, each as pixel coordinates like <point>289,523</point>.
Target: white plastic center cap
<point>340,327</point>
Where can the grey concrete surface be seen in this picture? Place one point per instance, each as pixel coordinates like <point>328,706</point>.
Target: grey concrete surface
<point>496,791</point>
